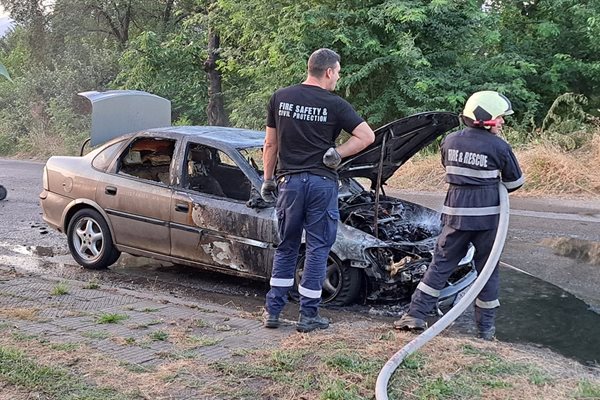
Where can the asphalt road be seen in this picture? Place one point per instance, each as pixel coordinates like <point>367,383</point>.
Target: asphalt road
<point>532,220</point>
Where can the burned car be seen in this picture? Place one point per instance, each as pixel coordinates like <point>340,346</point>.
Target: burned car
<point>190,195</point>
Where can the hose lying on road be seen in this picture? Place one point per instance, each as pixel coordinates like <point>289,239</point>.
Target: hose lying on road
<point>393,363</point>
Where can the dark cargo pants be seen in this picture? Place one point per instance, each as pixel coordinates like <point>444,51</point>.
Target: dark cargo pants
<point>306,202</point>
<point>451,247</point>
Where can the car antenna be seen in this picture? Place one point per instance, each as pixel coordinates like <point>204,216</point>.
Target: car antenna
<point>379,174</point>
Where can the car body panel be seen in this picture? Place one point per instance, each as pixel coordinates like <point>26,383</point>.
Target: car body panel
<point>133,222</point>
<point>223,233</point>
<point>117,112</point>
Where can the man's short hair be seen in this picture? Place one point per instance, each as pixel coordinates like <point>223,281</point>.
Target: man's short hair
<point>320,60</point>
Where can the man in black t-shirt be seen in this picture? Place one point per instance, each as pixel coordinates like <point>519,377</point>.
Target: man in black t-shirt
<point>303,122</point>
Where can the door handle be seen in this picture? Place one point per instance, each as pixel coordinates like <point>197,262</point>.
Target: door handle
<point>182,207</point>
<point>110,190</point>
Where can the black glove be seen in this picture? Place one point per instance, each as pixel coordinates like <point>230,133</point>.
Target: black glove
<point>332,158</point>
<point>268,190</point>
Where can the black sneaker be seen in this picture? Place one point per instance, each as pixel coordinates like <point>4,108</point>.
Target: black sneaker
<point>271,320</point>
<point>410,323</point>
<point>308,324</point>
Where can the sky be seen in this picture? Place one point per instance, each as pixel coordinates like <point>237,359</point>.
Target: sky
<point>5,22</point>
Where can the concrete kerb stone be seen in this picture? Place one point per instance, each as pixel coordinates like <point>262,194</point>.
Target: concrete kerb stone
<point>144,335</point>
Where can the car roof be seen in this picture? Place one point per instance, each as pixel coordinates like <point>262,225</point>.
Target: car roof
<point>219,135</point>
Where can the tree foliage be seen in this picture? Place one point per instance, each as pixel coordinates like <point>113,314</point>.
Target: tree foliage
<point>398,57</point>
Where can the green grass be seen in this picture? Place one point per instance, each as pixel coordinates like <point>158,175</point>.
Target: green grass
<point>492,365</point>
<point>414,361</point>
<point>200,323</point>
<point>17,369</point>
<point>588,390</point>
<point>60,289</point>
<point>92,285</point>
<point>64,346</point>
<point>159,336</point>
<point>455,387</point>
<point>96,335</point>
<point>137,368</point>
<point>203,341</point>
<point>347,362</point>
<point>180,355</point>
<point>23,337</point>
<point>111,318</point>
<point>279,366</point>
<point>337,389</point>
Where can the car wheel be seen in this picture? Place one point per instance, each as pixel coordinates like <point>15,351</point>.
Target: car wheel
<point>342,284</point>
<point>90,241</point>
<point>2,192</point>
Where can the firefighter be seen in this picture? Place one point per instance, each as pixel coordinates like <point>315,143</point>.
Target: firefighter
<point>475,159</point>
<point>303,122</point>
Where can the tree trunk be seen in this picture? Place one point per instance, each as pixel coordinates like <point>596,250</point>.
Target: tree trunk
<point>37,35</point>
<point>215,110</point>
<point>167,14</point>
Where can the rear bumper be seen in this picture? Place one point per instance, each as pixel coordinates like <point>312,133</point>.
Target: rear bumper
<point>53,207</point>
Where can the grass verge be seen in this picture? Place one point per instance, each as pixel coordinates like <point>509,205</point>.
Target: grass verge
<point>16,368</point>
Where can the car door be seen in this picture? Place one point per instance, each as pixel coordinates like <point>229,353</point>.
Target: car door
<point>211,223</point>
<point>137,195</point>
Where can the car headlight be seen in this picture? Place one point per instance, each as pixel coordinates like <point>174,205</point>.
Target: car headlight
<point>469,257</point>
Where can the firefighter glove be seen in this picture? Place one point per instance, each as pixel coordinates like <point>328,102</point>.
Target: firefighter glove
<point>332,158</point>
<point>268,190</point>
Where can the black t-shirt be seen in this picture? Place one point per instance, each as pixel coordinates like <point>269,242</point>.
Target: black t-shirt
<point>308,119</point>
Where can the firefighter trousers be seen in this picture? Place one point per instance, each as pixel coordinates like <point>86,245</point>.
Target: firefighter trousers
<point>306,202</point>
<point>451,247</point>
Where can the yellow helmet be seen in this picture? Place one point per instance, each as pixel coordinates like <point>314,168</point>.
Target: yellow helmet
<point>485,106</point>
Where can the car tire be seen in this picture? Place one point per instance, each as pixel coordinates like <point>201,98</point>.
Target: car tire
<point>3,192</point>
<point>342,284</point>
<point>90,241</point>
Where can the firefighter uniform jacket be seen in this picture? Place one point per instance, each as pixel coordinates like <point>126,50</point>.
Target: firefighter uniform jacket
<point>475,161</point>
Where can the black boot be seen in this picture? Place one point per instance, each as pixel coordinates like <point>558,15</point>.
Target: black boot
<point>308,324</point>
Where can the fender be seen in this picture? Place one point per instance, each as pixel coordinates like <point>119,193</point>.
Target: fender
<point>90,204</point>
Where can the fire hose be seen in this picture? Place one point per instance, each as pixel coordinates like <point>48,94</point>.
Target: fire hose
<point>393,363</point>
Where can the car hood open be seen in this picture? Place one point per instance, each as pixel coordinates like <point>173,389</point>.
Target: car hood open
<point>399,140</point>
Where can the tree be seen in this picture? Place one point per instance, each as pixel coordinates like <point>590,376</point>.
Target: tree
<point>32,14</point>
<point>398,56</point>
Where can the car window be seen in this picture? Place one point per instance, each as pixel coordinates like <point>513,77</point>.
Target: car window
<point>104,158</point>
<point>210,171</point>
<point>148,158</point>
<point>254,157</point>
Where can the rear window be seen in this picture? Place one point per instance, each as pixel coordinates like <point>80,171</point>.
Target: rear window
<point>104,158</point>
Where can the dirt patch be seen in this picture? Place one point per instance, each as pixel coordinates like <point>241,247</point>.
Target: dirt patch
<point>578,249</point>
<point>28,314</point>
